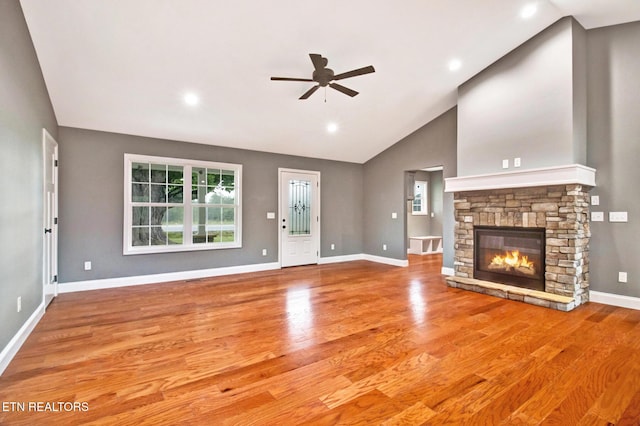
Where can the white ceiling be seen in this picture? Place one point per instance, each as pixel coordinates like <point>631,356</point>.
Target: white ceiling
<point>124,65</point>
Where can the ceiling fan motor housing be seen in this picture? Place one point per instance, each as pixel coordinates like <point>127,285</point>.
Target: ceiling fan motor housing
<point>323,76</point>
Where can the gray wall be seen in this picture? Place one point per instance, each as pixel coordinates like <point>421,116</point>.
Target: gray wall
<point>24,110</point>
<point>529,104</point>
<point>614,150</point>
<point>433,144</point>
<point>91,205</point>
<point>436,184</point>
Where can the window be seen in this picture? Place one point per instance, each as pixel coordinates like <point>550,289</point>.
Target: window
<point>164,198</point>
<point>420,205</point>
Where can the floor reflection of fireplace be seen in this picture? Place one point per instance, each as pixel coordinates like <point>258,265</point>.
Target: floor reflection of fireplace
<point>514,256</point>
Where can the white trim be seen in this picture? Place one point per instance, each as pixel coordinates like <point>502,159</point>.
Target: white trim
<point>363,256</point>
<point>545,176</point>
<point>615,299</point>
<point>74,286</point>
<point>19,338</point>
<point>52,261</point>
<point>338,259</point>
<point>447,271</point>
<point>386,260</point>
<point>187,204</point>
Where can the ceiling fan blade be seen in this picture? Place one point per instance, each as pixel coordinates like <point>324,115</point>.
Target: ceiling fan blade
<point>309,92</point>
<point>343,89</point>
<point>289,79</point>
<point>318,61</point>
<point>359,71</point>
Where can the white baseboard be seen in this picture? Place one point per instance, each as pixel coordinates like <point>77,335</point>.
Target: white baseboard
<point>363,256</point>
<point>20,337</point>
<point>71,287</point>
<point>614,299</point>
<point>386,260</point>
<point>338,259</point>
<point>447,271</point>
<point>74,286</point>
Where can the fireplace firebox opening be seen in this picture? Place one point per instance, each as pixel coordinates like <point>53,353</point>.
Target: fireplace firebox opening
<point>508,255</point>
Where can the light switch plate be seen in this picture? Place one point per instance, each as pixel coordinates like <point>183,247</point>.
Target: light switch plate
<point>595,200</point>
<point>394,215</point>
<point>618,217</point>
<point>597,216</point>
<point>505,163</point>
<point>622,277</point>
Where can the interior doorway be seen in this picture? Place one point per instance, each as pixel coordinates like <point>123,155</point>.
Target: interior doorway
<point>50,214</point>
<point>424,212</point>
<point>299,217</point>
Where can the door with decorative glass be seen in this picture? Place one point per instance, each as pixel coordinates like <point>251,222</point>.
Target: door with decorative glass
<point>299,219</point>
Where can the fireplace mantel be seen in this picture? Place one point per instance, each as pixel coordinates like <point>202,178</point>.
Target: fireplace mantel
<point>546,176</point>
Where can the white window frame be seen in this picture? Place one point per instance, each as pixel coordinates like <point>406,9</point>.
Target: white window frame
<point>424,201</point>
<point>188,205</point>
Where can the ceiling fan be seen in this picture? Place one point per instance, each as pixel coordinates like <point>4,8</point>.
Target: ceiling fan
<point>325,77</point>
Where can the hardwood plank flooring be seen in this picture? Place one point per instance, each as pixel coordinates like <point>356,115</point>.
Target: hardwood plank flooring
<point>349,343</point>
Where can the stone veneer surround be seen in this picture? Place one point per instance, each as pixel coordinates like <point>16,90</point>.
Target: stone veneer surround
<point>563,211</point>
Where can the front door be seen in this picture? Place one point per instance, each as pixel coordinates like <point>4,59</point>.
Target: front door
<point>50,207</point>
<point>299,220</point>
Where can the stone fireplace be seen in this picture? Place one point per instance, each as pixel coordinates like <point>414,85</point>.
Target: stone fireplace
<point>553,202</point>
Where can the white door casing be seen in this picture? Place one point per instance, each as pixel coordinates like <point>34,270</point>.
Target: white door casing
<point>50,215</point>
<point>299,217</point>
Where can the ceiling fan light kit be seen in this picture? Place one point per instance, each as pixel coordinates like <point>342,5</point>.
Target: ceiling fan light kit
<point>325,77</point>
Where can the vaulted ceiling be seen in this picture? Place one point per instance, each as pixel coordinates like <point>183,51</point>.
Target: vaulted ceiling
<point>126,65</point>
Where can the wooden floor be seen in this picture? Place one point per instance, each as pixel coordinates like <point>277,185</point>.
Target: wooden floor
<point>351,343</point>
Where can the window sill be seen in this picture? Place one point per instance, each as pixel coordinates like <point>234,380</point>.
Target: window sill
<point>177,249</point>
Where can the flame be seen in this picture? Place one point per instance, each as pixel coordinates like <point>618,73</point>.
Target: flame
<point>512,260</point>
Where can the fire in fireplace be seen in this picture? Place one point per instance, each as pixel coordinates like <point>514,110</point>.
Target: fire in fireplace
<point>510,255</point>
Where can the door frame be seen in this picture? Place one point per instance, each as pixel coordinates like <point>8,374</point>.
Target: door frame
<point>316,199</point>
<point>47,138</point>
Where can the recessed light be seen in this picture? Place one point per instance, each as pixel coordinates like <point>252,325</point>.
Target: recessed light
<point>191,99</point>
<point>529,10</point>
<point>455,64</point>
<point>332,127</point>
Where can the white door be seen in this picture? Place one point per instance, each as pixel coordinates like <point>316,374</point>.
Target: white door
<point>50,204</point>
<point>299,219</point>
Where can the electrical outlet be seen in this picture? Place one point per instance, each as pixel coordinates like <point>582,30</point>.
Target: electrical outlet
<point>384,247</point>
<point>516,162</point>
<point>271,215</point>
<point>622,277</point>
<point>19,304</point>
<point>333,246</point>
<point>595,200</point>
<point>394,215</point>
<point>597,216</point>
<point>87,265</point>
<point>264,252</point>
